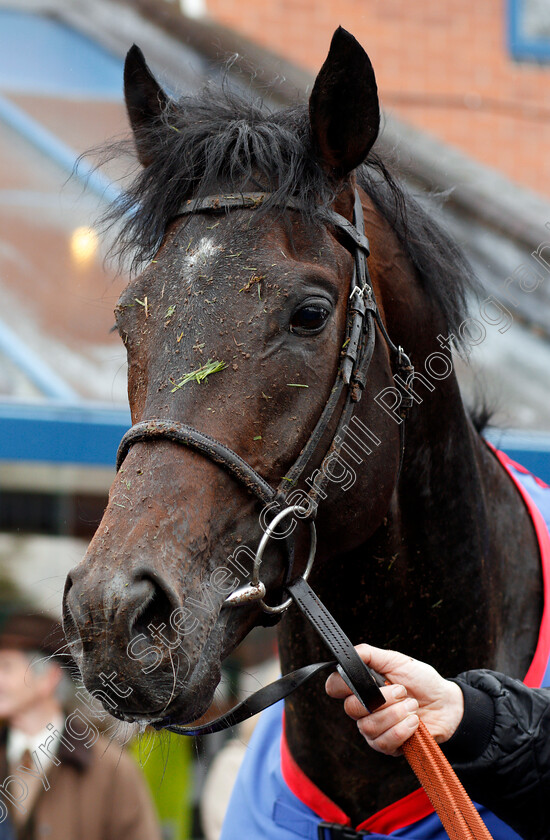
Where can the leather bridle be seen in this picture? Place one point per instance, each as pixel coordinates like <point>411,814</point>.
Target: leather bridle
<point>363,319</point>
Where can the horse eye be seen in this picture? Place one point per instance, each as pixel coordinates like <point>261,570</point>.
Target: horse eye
<point>309,318</point>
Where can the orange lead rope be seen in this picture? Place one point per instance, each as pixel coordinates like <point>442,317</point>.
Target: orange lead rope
<point>452,804</point>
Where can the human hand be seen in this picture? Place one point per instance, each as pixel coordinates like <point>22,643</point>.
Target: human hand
<point>417,692</point>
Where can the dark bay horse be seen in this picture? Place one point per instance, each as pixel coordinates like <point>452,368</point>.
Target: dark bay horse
<point>437,558</point>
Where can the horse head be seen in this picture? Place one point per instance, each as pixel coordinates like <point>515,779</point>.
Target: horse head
<point>235,328</point>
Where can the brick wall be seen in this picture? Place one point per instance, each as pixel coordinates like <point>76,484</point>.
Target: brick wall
<point>443,66</point>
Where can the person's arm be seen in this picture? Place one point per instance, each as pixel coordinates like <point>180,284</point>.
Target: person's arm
<point>496,734</point>
<point>509,770</point>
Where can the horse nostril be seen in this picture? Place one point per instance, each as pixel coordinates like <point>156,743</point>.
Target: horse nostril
<point>132,610</point>
<point>152,617</point>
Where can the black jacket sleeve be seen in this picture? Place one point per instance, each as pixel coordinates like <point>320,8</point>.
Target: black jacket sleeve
<point>501,750</point>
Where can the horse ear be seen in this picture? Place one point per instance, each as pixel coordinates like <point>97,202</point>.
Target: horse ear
<point>343,108</point>
<point>145,101</point>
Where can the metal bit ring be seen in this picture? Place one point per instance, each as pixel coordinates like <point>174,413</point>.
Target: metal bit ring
<point>255,590</point>
<point>261,548</point>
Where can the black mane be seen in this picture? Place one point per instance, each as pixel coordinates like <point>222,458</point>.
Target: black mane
<point>219,141</point>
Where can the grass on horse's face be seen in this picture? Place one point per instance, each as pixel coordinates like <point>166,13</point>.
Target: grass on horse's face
<point>236,293</point>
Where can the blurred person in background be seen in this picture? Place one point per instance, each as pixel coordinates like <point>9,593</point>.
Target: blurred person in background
<point>58,778</point>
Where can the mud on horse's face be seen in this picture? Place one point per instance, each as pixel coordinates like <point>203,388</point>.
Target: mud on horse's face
<point>264,296</point>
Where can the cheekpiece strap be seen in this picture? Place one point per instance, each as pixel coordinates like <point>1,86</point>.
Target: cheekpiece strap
<point>347,227</point>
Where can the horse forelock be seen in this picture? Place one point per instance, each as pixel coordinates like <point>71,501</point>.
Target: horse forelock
<point>218,140</point>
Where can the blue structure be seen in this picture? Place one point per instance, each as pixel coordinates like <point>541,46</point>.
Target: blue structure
<point>60,433</point>
<point>525,46</point>
<point>62,429</point>
<point>64,433</point>
<point>61,62</point>
<point>530,449</point>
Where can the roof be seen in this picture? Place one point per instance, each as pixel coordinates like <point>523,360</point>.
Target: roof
<point>62,369</point>
<point>57,298</point>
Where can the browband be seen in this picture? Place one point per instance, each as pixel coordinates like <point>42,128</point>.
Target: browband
<point>252,200</point>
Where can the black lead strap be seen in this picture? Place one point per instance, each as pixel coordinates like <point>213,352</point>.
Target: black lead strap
<point>358,676</point>
<point>362,680</point>
<point>257,702</point>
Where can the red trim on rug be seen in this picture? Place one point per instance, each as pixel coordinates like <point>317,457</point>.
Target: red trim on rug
<point>305,790</point>
<point>539,663</point>
<point>416,805</point>
<point>406,811</point>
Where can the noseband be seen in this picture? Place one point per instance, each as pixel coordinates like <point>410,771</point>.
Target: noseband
<point>363,316</point>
